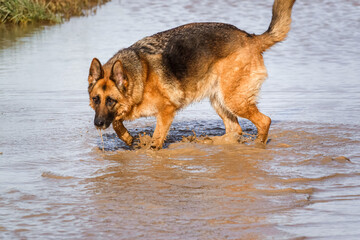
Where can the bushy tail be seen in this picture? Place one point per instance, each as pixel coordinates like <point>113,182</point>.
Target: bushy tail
<point>279,26</point>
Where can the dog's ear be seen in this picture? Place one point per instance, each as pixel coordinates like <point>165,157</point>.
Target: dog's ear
<point>96,72</point>
<point>118,75</point>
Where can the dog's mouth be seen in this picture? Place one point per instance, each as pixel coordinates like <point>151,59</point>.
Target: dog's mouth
<point>102,127</point>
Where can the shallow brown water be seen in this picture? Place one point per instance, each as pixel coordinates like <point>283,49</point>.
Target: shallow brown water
<point>57,183</point>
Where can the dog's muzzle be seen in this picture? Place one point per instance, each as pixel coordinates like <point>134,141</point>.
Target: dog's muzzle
<point>101,123</point>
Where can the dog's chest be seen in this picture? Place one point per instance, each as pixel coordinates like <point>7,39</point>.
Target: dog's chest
<point>142,110</point>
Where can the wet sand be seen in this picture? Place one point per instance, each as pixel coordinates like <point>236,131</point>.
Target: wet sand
<point>57,183</point>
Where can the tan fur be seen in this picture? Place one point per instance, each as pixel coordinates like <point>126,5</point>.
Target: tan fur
<point>156,76</point>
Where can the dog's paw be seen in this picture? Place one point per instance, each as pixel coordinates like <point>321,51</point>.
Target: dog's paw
<point>129,140</point>
<point>155,146</point>
<point>261,143</point>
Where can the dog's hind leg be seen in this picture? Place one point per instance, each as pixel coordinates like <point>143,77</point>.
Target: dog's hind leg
<point>240,92</point>
<point>230,120</point>
<point>243,104</point>
<point>260,120</point>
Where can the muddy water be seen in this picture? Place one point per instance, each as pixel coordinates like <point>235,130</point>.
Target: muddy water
<point>55,182</point>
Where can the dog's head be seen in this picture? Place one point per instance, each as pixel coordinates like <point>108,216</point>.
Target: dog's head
<point>108,92</point>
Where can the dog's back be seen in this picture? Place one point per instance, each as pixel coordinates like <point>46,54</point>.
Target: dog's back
<point>189,51</point>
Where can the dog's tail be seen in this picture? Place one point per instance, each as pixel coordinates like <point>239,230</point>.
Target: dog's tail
<point>279,26</point>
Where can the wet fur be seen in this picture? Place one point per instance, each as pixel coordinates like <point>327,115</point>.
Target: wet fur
<point>165,72</point>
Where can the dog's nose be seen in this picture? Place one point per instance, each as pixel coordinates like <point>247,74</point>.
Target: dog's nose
<point>99,122</point>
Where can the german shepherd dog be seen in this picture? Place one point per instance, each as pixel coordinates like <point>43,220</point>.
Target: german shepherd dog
<point>167,71</point>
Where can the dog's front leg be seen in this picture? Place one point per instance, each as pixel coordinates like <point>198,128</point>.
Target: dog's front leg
<point>163,123</point>
<point>122,132</point>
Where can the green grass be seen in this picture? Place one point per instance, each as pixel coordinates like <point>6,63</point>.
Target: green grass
<point>26,11</point>
<point>47,11</point>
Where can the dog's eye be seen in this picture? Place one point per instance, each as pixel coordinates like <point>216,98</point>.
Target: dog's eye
<point>110,101</point>
<point>96,100</point>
